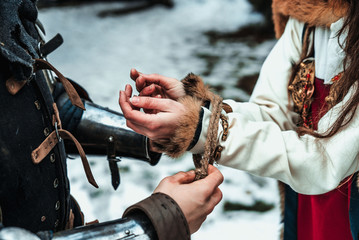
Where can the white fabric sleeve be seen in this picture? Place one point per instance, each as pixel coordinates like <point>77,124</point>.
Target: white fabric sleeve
<point>262,139</point>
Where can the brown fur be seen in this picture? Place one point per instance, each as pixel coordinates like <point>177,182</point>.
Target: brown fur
<point>196,95</point>
<point>194,86</point>
<point>179,142</point>
<point>313,12</point>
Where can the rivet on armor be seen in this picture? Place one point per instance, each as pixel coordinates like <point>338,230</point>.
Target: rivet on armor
<point>43,218</point>
<point>57,205</point>
<point>56,183</point>
<point>37,104</point>
<point>127,232</point>
<point>46,132</point>
<point>57,223</point>
<point>52,157</point>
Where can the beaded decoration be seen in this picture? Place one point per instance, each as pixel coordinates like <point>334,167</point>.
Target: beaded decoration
<point>302,89</point>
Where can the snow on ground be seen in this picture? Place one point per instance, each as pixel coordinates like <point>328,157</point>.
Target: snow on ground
<point>98,53</point>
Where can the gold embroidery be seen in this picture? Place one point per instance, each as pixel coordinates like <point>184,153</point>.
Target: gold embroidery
<point>333,93</point>
<point>302,89</point>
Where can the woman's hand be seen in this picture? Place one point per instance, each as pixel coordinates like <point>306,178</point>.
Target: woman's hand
<point>196,199</point>
<point>156,85</point>
<point>160,125</point>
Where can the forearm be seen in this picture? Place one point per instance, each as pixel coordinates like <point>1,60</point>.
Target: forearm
<point>307,164</point>
<point>156,217</point>
<point>101,130</point>
<point>165,215</point>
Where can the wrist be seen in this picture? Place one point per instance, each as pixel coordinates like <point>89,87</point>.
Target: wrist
<point>185,130</point>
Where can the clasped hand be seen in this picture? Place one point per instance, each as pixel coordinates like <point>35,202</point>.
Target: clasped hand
<point>196,199</point>
<point>157,97</point>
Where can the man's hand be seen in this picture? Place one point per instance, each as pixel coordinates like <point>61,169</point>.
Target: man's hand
<point>196,199</point>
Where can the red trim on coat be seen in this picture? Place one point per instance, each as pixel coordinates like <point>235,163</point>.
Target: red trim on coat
<point>324,216</point>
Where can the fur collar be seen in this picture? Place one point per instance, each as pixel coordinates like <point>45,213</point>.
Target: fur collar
<point>313,12</point>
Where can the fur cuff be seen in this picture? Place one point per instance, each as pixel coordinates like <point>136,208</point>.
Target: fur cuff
<point>194,86</point>
<point>313,12</point>
<point>197,95</point>
<point>184,133</point>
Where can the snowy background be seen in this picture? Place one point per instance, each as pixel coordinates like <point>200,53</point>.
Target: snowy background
<point>99,52</point>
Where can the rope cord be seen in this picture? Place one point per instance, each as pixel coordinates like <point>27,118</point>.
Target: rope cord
<point>201,163</point>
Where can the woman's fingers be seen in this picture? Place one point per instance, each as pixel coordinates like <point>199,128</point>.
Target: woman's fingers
<point>134,74</point>
<point>144,80</point>
<point>165,86</point>
<point>128,90</point>
<point>131,112</point>
<point>154,103</point>
<point>124,102</point>
<point>150,90</point>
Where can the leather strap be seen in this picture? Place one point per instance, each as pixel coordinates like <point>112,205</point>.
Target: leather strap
<point>56,116</point>
<point>49,143</point>
<point>13,86</point>
<point>227,108</point>
<point>73,95</point>
<point>55,136</point>
<point>45,147</point>
<point>70,222</point>
<point>166,216</point>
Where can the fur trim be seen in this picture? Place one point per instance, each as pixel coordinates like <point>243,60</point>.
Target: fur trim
<point>313,12</point>
<point>194,86</point>
<point>197,94</point>
<point>183,136</point>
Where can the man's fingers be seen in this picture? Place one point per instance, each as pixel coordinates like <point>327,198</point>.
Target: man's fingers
<point>214,199</point>
<point>216,196</point>
<point>184,177</point>
<point>214,178</point>
<point>212,169</point>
